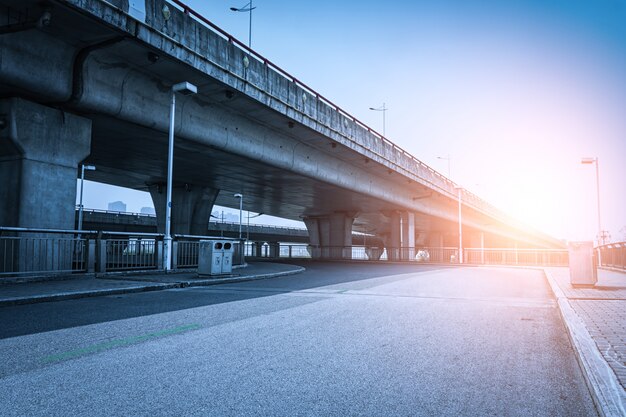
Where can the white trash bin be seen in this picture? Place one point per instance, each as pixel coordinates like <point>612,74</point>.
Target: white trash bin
<point>210,257</point>
<point>582,268</point>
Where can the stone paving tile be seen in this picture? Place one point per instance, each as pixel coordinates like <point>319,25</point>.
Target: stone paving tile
<point>602,309</point>
<point>606,322</point>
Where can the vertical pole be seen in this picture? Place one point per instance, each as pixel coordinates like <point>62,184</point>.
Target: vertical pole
<point>384,116</point>
<point>240,196</point>
<point>167,239</point>
<point>250,28</point>
<point>80,205</point>
<point>460,231</point>
<point>600,234</point>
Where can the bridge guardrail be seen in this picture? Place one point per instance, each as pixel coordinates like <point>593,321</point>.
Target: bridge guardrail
<point>613,255</point>
<point>31,251</point>
<point>420,254</point>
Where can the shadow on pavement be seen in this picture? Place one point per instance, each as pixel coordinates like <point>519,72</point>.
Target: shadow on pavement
<point>36,318</point>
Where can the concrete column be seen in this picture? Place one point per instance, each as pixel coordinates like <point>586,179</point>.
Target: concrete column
<point>274,249</point>
<point>394,241</point>
<point>191,208</point>
<point>257,249</point>
<point>330,236</point>
<point>40,150</point>
<point>408,236</point>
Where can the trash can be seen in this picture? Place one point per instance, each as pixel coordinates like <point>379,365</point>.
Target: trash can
<point>210,257</point>
<point>227,262</point>
<point>582,268</point>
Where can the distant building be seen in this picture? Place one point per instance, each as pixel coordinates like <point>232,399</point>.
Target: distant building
<point>117,206</point>
<point>148,210</point>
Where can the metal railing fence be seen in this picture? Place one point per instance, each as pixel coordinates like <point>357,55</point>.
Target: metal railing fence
<point>22,255</point>
<point>613,255</point>
<point>439,255</point>
<point>29,251</point>
<point>131,253</point>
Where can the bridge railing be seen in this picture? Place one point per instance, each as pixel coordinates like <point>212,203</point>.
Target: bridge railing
<point>420,254</point>
<point>30,251</point>
<point>613,255</point>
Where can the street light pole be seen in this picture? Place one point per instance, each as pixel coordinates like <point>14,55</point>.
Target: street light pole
<point>460,226</point>
<point>247,8</point>
<point>447,158</point>
<point>240,197</point>
<point>83,167</point>
<point>186,89</point>
<point>383,109</point>
<point>592,161</point>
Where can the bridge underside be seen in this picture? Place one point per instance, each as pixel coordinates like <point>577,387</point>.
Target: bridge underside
<point>96,94</point>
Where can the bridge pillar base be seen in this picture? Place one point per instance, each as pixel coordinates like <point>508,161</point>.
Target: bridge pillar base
<point>191,208</point>
<point>40,150</point>
<point>330,236</point>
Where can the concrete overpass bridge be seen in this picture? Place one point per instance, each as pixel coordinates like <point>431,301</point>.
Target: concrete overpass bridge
<point>113,221</point>
<point>89,81</point>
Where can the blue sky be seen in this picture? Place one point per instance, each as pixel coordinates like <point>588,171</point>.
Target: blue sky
<point>515,91</point>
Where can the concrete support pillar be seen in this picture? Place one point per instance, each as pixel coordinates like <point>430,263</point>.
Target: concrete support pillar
<point>40,151</point>
<point>257,249</point>
<point>191,208</point>
<point>330,236</point>
<point>274,249</point>
<point>408,236</point>
<point>394,241</point>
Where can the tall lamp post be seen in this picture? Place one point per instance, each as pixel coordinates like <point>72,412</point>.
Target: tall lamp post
<point>83,167</point>
<point>248,228</point>
<point>184,88</point>
<point>459,188</point>
<point>447,158</point>
<point>240,197</point>
<point>247,8</point>
<point>592,161</point>
<point>383,109</point>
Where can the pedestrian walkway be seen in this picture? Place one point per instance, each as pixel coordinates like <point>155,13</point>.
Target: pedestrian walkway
<point>72,287</point>
<point>599,317</point>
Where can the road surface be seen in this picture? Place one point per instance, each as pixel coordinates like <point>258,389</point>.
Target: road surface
<point>337,340</point>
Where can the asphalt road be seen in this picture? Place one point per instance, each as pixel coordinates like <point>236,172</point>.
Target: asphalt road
<point>337,340</point>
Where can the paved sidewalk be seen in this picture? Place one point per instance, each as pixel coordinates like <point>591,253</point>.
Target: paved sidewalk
<point>596,319</point>
<point>66,288</point>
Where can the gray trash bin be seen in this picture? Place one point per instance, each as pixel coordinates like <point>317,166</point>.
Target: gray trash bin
<point>227,262</point>
<point>210,257</point>
<point>582,268</point>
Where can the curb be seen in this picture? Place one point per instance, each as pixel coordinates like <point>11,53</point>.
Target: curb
<point>601,380</point>
<point>84,294</point>
<point>228,280</point>
<point>141,288</point>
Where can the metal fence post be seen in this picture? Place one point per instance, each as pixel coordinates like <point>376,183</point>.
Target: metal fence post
<point>174,254</point>
<point>159,255</point>
<point>101,257</point>
<point>91,255</point>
